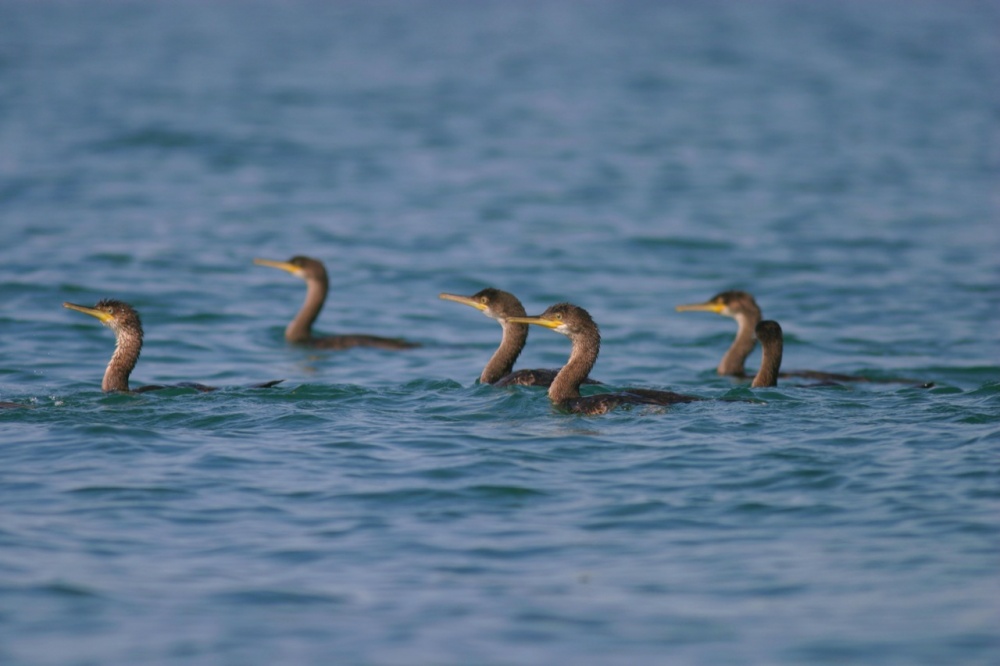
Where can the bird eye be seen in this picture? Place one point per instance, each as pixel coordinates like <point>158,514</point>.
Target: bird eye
<point>484,300</point>
<point>559,316</point>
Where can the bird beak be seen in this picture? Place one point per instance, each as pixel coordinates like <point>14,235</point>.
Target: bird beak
<point>540,321</point>
<point>464,300</point>
<point>711,306</point>
<point>283,265</point>
<point>105,317</point>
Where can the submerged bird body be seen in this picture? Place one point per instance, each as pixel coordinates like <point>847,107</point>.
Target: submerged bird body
<point>299,330</point>
<point>499,371</point>
<point>122,318</point>
<point>576,323</point>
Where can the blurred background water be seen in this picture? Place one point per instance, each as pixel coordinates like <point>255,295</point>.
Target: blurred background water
<point>838,160</point>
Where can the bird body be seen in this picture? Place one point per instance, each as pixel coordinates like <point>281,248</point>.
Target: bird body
<point>123,319</point>
<point>499,371</point>
<point>299,330</point>
<point>742,307</point>
<point>533,377</point>
<point>585,336</point>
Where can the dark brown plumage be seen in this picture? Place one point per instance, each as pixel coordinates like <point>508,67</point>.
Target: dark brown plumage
<point>499,371</point>
<point>742,307</point>
<point>577,324</point>
<point>771,344</point>
<point>299,330</point>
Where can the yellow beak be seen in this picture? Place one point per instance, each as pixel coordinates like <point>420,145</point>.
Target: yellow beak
<point>711,306</point>
<point>283,265</point>
<point>100,314</point>
<point>464,300</point>
<point>539,321</point>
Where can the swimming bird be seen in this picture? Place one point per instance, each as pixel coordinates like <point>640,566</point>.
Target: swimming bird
<point>742,307</point>
<point>576,323</point>
<point>13,405</point>
<point>122,318</point>
<point>771,344</point>
<point>501,306</point>
<point>299,330</point>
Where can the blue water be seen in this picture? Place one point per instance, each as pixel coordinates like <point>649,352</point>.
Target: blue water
<point>839,160</point>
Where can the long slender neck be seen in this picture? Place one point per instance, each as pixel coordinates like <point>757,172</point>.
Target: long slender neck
<point>300,328</point>
<point>502,362</point>
<point>128,344</point>
<point>566,384</point>
<point>734,359</point>
<point>770,364</point>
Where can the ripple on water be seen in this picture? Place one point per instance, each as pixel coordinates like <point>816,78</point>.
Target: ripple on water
<point>384,507</point>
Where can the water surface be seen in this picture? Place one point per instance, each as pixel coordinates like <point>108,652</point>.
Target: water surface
<point>839,161</point>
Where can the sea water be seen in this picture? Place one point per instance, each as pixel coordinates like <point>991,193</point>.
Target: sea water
<point>838,160</point>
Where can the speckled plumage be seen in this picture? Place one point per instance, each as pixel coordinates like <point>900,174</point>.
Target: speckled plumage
<point>123,319</point>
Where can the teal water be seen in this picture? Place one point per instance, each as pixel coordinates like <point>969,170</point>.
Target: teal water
<point>839,160</point>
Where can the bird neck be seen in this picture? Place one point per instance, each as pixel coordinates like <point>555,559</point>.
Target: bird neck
<point>566,384</point>
<point>770,364</point>
<point>502,362</point>
<point>733,361</point>
<point>300,328</point>
<point>128,344</point>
